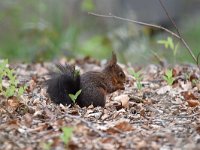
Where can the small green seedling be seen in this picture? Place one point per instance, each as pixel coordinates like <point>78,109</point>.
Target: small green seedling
<point>66,135</point>
<point>76,73</point>
<point>169,43</point>
<point>74,97</point>
<point>47,146</point>
<point>168,77</point>
<point>138,77</point>
<point>12,83</point>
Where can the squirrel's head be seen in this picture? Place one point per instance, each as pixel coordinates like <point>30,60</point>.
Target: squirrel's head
<point>115,71</point>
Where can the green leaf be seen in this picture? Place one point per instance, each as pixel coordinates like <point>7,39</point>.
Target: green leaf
<point>168,77</point>
<point>170,81</point>
<point>3,64</point>
<point>77,94</point>
<point>137,76</point>
<point>169,73</point>
<point>74,97</point>
<point>76,73</point>
<point>47,146</point>
<point>87,5</point>
<point>163,42</point>
<point>21,90</point>
<point>139,85</point>
<point>170,43</point>
<point>66,135</point>
<point>175,49</point>
<point>10,91</point>
<point>165,78</point>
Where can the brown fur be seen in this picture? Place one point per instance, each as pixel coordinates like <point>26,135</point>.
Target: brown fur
<point>95,85</point>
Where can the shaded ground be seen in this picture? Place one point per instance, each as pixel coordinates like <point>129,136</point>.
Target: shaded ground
<point>156,117</point>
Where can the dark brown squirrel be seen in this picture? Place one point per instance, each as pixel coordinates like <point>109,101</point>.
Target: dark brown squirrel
<point>94,85</point>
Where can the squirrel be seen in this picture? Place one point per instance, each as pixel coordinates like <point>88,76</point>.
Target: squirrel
<point>93,85</point>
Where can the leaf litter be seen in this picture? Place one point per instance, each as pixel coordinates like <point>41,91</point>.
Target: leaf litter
<point>157,116</point>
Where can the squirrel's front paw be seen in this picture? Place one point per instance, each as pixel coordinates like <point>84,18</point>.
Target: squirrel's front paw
<point>121,87</point>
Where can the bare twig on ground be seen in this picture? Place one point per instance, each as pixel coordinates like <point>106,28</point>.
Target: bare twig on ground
<point>190,116</point>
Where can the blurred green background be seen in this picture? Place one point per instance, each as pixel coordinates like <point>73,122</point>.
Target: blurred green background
<point>44,30</point>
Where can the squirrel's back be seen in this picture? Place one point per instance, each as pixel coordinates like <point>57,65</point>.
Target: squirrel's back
<point>93,88</point>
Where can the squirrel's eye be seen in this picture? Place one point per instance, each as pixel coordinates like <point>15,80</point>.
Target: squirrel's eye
<point>121,74</point>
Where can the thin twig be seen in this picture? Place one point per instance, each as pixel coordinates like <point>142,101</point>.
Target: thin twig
<point>177,30</point>
<point>189,116</point>
<point>178,36</point>
<point>172,21</point>
<point>137,22</point>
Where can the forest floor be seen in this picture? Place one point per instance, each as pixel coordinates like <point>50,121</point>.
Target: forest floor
<point>158,116</point>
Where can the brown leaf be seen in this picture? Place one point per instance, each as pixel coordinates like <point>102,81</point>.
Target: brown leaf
<point>120,127</point>
<point>13,102</point>
<point>22,109</point>
<point>188,95</point>
<point>142,145</point>
<point>12,124</point>
<point>107,140</point>
<point>32,85</point>
<point>175,71</point>
<point>193,103</point>
<point>39,128</point>
<point>124,99</point>
<point>27,119</point>
<point>142,112</point>
<point>198,129</point>
<point>40,69</point>
<point>193,77</point>
<point>198,86</point>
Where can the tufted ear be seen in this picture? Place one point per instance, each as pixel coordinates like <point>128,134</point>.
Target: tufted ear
<point>113,60</point>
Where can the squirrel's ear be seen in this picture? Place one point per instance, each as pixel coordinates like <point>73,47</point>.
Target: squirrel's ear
<point>113,60</point>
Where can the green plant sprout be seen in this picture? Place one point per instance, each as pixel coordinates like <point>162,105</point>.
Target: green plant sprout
<point>66,135</point>
<point>47,146</point>
<point>168,77</point>
<point>75,96</point>
<point>169,43</point>
<point>76,73</point>
<point>87,5</point>
<point>12,88</point>
<point>138,77</point>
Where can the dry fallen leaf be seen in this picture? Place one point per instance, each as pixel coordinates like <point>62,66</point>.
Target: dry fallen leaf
<point>13,102</point>
<point>164,90</point>
<point>167,122</point>
<point>142,145</point>
<point>27,119</point>
<point>188,95</point>
<point>120,127</point>
<point>32,84</point>
<point>124,99</point>
<point>198,86</point>
<point>193,103</point>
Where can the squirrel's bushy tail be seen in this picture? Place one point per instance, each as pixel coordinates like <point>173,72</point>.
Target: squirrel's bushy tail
<point>63,83</point>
